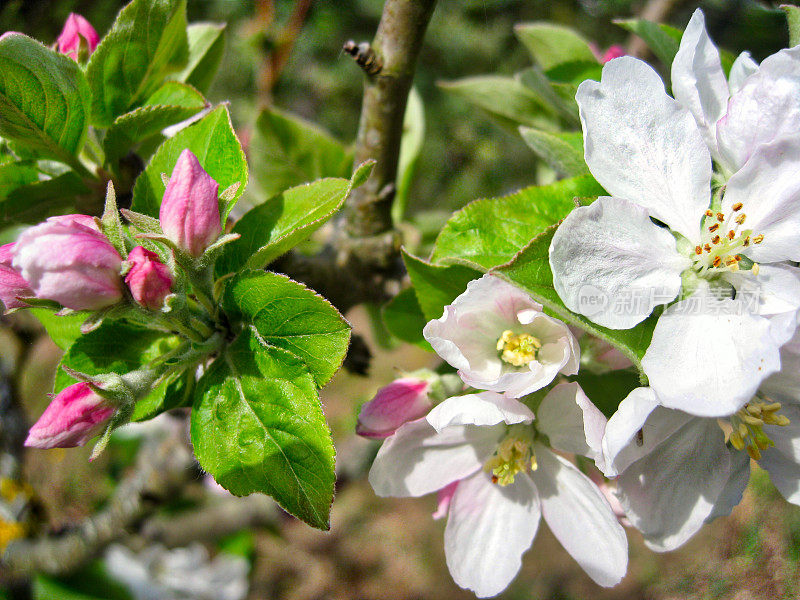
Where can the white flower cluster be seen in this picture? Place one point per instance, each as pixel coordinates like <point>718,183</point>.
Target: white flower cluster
<point>701,230</point>
<point>490,455</point>
<point>703,218</point>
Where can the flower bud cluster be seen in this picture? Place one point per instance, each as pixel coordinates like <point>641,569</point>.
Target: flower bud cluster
<point>68,262</point>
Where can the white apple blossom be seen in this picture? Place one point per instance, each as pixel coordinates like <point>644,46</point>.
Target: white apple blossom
<point>500,340</point>
<point>485,454</point>
<point>722,258</point>
<point>677,471</point>
<point>756,105</point>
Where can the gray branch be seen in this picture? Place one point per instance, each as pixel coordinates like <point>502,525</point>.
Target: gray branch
<point>163,466</point>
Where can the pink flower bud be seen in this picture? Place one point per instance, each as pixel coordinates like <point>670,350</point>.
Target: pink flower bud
<point>77,29</point>
<point>149,279</point>
<point>613,52</point>
<point>401,401</point>
<point>68,260</point>
<point>12,284</point>
<point>74,416</point>
<point>189,210</point>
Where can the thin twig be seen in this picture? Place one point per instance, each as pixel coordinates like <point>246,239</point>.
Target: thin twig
<point>162,467</point>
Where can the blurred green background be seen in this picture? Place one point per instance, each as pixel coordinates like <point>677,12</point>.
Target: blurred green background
<point>391,548</point>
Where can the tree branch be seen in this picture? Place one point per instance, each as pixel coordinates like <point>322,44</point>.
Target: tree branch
<point>362,262</point>
<point>162,467</point>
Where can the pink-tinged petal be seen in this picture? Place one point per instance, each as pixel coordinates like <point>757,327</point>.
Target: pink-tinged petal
<point>581,518</point>
<point>67,260</point>
<point>443,500</point>
<point>148,279</point>
<point>571,422</point>
<point>489,528</point>
<point>765,108</point>
<point>467,334</point>
<point>73,417</point>
<point>641,145</point>
<point>417,460</point>
<point>636,428</point>
<point>670,493</point>
<point>12,285</point>
<point>768,189</point>
<point>709,355</point>
<point>482,409</point>
<point>189,213</point>
<point>742,68</point>
<point>611,263</point>
<point>403,400</point>
<point>77,30</point>
<point>698,81</point>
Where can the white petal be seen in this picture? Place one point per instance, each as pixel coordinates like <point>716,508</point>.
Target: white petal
<point>709,355</point>
<point>731,494</point>
<point>698,81</point>
<point>643,146</point>
<point>613,265</point>
<point>571,422</point>
<point>784,472</point>
<point>581,518</point>
<point>787,437</point>
<point>638,412</point>
<point>765,108</point>
<point>784,386</point>
<point>742,68</point>
<point>417,460</point>
<point>488,530</point>
<point>769,190</point>
<point>483,409</point>
<point>669,493</point>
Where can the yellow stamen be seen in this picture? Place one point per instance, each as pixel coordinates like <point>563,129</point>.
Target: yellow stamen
<point>518,350</point>
<point>737,207</point>
<point>514,455</point>
<point>745,429</point>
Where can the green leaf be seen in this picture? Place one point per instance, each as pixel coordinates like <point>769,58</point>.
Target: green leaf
<point>436,286</point>
<point>206,48</point>
<point>489,232</point>
<point>553,45</point>
<point>530,270</point>
<point>213,140</point>
<point>663,40</point>
<point>116,347</point>
<point>606,391</point>
<point>286,151</point>
<point>553,94</point>
<point>17,174</point>
<point>285,220</point>
<point>793,22</point>
<point>505,98</point>
<point>575,72</point>
<point>34,202</point>
<point>410,148</point>
<point>44,99</point>
<point>257,426</point>
<point>63,330</point>
<point>563,151</point>
<point>288,315</point>
<point>48,588</point>
<point>172,103</point>
<point>91,582</point>
<point>403,318</point>
<point>146,43</point>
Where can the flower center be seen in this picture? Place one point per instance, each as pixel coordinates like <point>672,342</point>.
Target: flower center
<point>745,429</point>
<point>513,455</point>
<point>720,240</point>
<point>517,350</point>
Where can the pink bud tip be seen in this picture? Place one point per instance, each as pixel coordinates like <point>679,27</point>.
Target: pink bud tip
<point>445,496</point>
<point>190,208</point>
<point>68,260</point>
<point>401,401</point>
<point>12,285</point>
<point>73,417</point>
<point>613,52</point>
<point>148,279</point>
<point>77,30</point>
